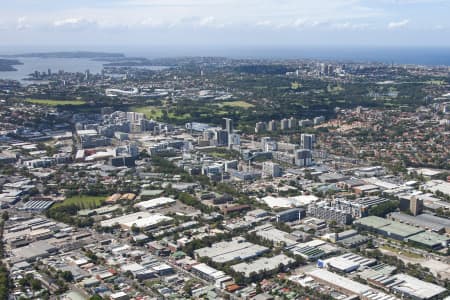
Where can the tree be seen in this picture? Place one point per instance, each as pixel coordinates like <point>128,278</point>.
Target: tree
<point>188,287</point>
<point>67,276</point>
<point>382,209</point>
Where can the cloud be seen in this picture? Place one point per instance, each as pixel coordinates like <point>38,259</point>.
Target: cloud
<point>399,24</point>
<point>22,23</point>
<point>74,23</point>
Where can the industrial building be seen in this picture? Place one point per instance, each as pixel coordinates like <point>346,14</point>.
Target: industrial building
<point>429,240</point>
<point>263,264</point>
<point>404,232</point>
<point>346,263</point>
<point>237,249</point>
<point>425,221</point>
<point>154,203</point>
<point>347,286</point>
<point>407,286</point>
<point>142,220</point>
<point>325,211</point>
<point>290,215</point>
<point>313,250</point>
<point>388,228</point>
<point>278,237</point>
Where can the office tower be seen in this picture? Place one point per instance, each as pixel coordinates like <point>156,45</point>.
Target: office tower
<point>234,139</point>
<point>227,124</point>
<point>222,138</point>
<point>307,141</point>
<point>303,157</point>
<point>416,206</point>
<point>271,169</point>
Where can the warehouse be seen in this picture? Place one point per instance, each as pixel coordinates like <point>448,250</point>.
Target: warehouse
<point>154,203</point>
<point>429,240</point>
<point>425,221</point>
<point>392,229</point>
<point>408,286</point>
<point>347,286</point>
<point>278,237</point>
<point>37,205</point>
<point>143,220</point>
<point>234,250</point>
<point>263,264</point>
<point>313,250</point>
<point>340,283</point>
<point>346,263</point>
<point>399,231</point>
<point>208,273</point>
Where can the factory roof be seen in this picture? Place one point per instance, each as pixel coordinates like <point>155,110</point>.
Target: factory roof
<point>429,239</point>
<point>416,287</point>
<point>400,229</point>
<point>262,264</point>
<point>337,280</point>
<point>139,219</point>
<point>153,203</point>
<point>349,262</point>
<point>372,221</point>
<point>237,249</point>
<point>425,221</point>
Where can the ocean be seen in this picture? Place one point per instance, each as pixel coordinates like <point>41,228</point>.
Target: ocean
<point>397,55</point>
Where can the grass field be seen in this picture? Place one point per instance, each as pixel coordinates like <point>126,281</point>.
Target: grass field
<point>82,201</point>
<point>55,102</point>
<point>179,117</point>
<point>397,251</point>
<point>151,112</point>
<point>241,104</point>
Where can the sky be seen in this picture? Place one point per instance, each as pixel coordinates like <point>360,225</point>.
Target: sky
<point>221,23</point>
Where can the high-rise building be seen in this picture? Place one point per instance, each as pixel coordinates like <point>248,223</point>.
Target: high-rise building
<point>260,127</point>
<point>307,141</point>
<point>272,126</point>
<point>416,206</point>
<point>292,123</point>
<point>222,138</point>
<point>303,157</point>
<point>227,124</point>
<point>284,124</point>
<point>234,139</point>
<point>271,169</point>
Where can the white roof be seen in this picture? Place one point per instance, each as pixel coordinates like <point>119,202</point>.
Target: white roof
<point>289,202</point>
<point>118,295</point>
<point>417,287</point>
<point>140,219</point>
<point>149,204</point>
<point>337,280</point>
<point>87,132</point>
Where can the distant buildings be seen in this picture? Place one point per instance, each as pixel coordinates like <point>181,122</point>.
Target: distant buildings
<point>270,169</point>
<point>325,211</point>
<point>303,157</point>
<point>307,141</point>
<point>290,215</point>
